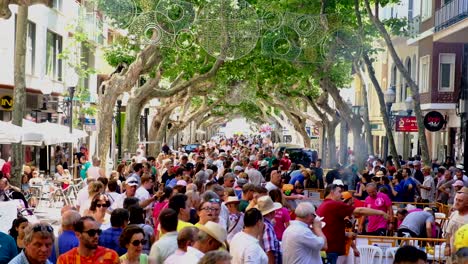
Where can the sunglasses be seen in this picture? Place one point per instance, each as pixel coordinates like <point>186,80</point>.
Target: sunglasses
<point>214,200</point>
<point>210,209</point>
<point>136,243</point>
<point>43,228</point>
<point>93,232</point>
<point>101,205</point>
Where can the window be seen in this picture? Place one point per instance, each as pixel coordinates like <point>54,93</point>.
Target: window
<point>53,61</point>
<point>31,48</point>
<point>446,72</point>
<point>426,9</point>
<point>57,4</point>
<point>424,70</point>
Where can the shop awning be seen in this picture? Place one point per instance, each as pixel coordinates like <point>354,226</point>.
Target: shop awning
<point>38,134</point>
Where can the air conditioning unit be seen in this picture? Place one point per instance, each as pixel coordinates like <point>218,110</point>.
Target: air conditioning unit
<point>32,101</point>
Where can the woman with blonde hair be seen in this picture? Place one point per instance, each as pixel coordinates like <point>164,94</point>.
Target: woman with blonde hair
<point>94,187</point>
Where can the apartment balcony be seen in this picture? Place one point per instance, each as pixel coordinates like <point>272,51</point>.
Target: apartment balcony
<point>450,14</point>
<point>414,26</point>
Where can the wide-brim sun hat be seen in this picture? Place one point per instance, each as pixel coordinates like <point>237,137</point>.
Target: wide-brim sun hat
<point>215,231</point>
<point>232,199</point>
<point>266,205</point>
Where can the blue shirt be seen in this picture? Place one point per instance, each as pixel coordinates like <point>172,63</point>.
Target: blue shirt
<point>408,195</point>
<point>7,248</point>
<point>110,239</point>
<point>66,241</point>
<point>399,189</point>
<point>297,176</point>
<point>21,259</point>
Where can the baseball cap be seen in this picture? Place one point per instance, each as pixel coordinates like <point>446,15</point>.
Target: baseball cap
<point>238,168</point>
<point>131,181</point>
<point>338,182</point>
<point>458,183</point>
<point>346,196</point>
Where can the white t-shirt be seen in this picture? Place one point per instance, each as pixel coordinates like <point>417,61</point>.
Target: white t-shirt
<point>82,200</point>
<point>192,256</point>
<point>270,186</point>
<point>93,172</point>
<point>255,176</point>
<point>246,249</point>
<point>175,258</point>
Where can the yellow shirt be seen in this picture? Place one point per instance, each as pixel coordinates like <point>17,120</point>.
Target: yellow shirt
<point>180,225</point>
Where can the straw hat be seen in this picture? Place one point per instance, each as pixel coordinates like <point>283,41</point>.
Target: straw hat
<point>215,231</point>
<point>266,205</point>
<point>232,199</point>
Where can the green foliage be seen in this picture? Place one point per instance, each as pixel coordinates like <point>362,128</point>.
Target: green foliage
<point>120,53</point>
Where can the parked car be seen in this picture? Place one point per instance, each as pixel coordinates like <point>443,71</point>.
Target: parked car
<point>298,154</point>
<point>191,148</point>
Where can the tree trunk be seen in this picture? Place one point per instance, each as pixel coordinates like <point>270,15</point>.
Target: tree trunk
<point>331,129</point>
<point>132,124</point>
<point>360,153</point>
<point>367,124</point>
<point>414,87</point>
<point>378,89</point>
<point>19,93</point>
<point>104,118</point>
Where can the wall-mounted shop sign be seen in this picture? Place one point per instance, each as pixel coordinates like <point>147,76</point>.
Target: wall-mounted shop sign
<point>434,121</point>
<point>6,102</point>
<point>406,124</point>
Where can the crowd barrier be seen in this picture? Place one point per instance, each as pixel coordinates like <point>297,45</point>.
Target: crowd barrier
<point>434,247</point>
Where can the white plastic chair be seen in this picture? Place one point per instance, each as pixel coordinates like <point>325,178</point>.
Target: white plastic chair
<point>368,254</point>
<point>390,254</point>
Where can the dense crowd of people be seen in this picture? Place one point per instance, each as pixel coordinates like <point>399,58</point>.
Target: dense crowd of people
<point>238,200</point>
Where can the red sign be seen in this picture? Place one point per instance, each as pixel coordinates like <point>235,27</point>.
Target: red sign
<point>406,124</point>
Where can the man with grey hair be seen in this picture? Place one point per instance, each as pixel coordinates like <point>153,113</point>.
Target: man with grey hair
<point>229,180</point>
<point>38,241</point>
<point>216,257</point>
<point>186,238</point>
<point>67,239</point>
<point>302,244</point>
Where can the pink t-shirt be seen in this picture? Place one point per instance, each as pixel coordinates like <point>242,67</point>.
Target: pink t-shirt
<point>380,202</point>
<point>158,207</point>
<point>281,218</point>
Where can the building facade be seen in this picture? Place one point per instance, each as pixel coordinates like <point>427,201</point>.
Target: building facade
<point>51,54</point>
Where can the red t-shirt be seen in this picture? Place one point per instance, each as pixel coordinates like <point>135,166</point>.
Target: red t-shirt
<point>285,164</point>
<point>333,213</point>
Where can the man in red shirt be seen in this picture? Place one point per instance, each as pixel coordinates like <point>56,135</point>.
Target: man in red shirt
<point>334,211</point>
<point>88,251</point>
<point>285,162</point>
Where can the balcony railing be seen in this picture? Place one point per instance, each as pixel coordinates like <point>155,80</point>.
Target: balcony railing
<point>450,14</point>
<point>413,26</point>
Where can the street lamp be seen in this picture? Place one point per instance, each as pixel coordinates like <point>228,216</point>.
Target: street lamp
<point>72,82</point>
<point>390,97</point>
<point>409,102</point>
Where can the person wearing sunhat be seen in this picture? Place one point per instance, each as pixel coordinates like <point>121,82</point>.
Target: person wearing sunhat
<point>211,236</point>
<point>271,244</point>
<point>457,219</point>
<point>235,219</point>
